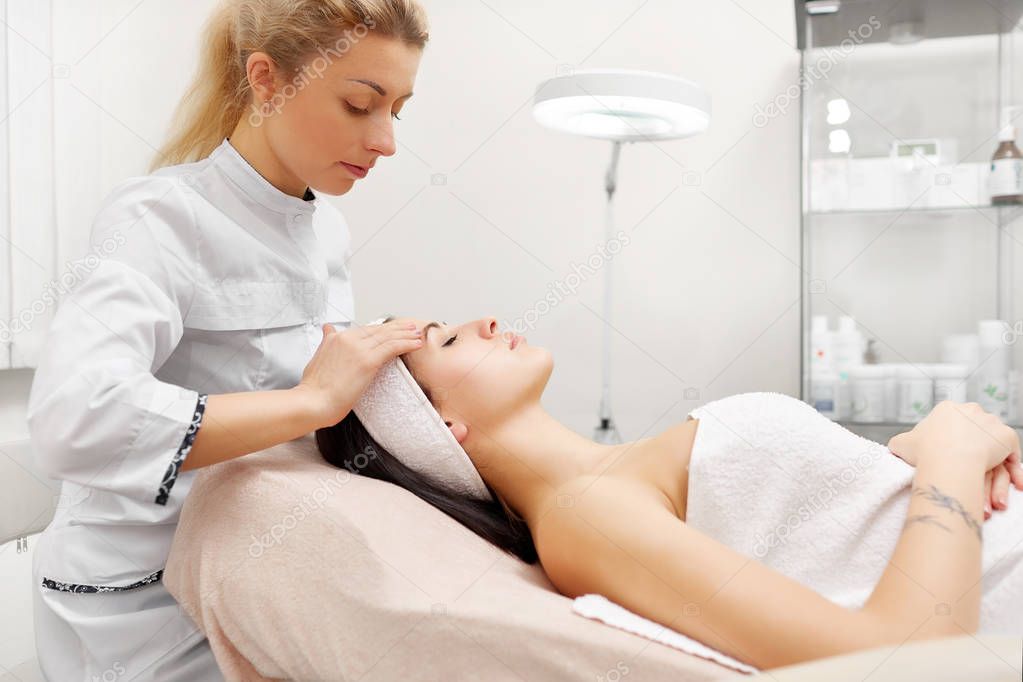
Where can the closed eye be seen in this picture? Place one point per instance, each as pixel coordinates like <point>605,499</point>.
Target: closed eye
<point>363,112</point>
<point>450,341</point>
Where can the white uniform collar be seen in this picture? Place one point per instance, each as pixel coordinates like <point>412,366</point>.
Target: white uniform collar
<point>255,185</point>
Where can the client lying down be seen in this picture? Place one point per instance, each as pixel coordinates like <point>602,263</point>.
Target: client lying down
<point>757,526</point>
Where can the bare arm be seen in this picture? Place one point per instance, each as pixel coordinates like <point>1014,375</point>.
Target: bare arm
<point>932,587</point>
<point>617,540</point>
<point>236,424</point>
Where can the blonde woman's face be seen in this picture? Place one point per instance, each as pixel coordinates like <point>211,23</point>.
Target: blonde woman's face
<point>339,109</point>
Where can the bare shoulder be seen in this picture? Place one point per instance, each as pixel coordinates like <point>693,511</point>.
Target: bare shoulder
<point>679,438</point>
<point>611,536</point>
<point>582,523</point>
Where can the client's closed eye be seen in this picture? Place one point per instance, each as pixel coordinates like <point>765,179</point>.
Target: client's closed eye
<point>450,341</point>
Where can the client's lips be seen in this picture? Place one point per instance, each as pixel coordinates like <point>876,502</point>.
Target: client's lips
<point>515,341</point>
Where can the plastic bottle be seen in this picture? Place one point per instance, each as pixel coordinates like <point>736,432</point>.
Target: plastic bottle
<point>846,353</point>
<point>823,380</point>
<point>1005,182</point>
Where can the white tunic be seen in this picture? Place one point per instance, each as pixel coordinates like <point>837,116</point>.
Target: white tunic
<point>775,480</point>
<point>214,281</point>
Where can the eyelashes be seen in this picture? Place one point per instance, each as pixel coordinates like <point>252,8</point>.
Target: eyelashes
<point>450,341</point>
<point>362,112</point>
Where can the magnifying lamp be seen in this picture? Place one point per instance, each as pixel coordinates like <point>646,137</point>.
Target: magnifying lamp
<point>620,105</point>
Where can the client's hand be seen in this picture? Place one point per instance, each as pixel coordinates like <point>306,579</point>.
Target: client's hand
<point>954,426</point>
<point>996,483</point>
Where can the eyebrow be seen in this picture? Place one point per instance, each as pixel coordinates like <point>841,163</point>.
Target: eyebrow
<point>376,86</point>
<point>426,331</point>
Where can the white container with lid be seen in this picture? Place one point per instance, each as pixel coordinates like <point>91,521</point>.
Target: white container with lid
<point>869,389</point>
<point>963,349</point>
<point>993,373</point>
<point>916,393</point>
<point>891,392</point>
<point>949,381</point>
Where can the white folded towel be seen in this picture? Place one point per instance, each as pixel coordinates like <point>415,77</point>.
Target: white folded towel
<point>775,480</point>
<point>600,608</point>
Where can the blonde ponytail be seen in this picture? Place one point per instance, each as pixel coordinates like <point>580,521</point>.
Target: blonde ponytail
<point>290,31</point>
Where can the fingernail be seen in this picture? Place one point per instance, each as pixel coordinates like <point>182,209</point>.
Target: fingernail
<point>1001,500</point>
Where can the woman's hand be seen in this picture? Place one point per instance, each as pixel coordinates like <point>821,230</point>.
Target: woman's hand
<point>966,430</point>
<point>997,481</point>
<point>346,361</point>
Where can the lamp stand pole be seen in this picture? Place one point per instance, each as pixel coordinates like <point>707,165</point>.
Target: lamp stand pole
<point>606,431</point>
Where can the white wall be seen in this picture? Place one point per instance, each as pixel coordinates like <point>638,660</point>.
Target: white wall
<point>707,291</point>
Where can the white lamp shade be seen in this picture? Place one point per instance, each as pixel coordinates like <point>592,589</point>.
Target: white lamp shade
<point>622,104</point>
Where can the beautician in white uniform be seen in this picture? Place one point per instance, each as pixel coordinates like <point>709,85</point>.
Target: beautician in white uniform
<point>219,322</point>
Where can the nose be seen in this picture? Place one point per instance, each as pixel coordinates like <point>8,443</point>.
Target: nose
<point>488,327</point>
<point>380,138</point>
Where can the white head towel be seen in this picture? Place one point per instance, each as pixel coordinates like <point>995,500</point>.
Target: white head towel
<point>395,411</point>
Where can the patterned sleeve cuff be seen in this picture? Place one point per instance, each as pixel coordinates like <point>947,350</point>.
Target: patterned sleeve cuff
<point>171,474</point>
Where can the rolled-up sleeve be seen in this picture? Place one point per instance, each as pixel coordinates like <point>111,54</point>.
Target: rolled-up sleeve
<point>97,415</point>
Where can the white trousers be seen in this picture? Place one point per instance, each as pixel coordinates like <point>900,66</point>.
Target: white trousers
<point>141,634</point>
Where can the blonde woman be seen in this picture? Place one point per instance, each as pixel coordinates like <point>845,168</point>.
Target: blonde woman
<point>757,526</point>
<point>189,344</point>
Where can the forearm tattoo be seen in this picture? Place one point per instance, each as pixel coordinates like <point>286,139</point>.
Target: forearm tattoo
<point>946,502</point>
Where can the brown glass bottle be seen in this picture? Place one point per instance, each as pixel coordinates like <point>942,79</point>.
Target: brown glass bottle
<point>1006,170</point>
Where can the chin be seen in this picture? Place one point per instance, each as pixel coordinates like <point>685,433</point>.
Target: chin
<point>544,364</point>
<point>334,185</point>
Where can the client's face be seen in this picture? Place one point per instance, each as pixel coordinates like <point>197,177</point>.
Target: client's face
<point>472,372</point>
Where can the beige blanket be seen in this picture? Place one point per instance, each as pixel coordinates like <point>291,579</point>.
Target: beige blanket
<point>296,569</point>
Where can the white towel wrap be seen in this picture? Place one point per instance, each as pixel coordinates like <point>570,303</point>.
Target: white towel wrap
<point>395,411</point>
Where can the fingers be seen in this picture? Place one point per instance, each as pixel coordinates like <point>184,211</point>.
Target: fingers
<point>988,477</point>
<point>1014,459</point>
<point>1015,470</point>
<point>386,338</point>
<point>1000,487</point>
<point>374,332</point>
<point>392,348</point>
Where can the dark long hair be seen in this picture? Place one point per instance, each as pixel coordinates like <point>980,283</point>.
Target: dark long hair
<point>348,444</point>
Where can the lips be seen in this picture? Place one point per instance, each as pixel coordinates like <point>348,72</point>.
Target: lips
<point>357,171</point>
<point>515,341</point>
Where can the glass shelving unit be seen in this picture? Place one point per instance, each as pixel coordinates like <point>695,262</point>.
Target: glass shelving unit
<point>900,106</point>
